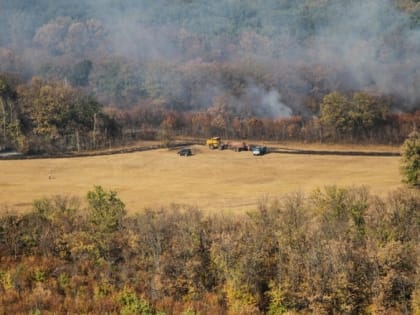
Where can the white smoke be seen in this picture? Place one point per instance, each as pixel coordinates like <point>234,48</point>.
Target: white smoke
<point>266,103</point>
<point>346,45</point>
<point>273,106</point>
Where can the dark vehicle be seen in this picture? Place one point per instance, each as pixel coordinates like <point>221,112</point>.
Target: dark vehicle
<point>237,146</point>
<point>185,152</point>
<point>259,150</point>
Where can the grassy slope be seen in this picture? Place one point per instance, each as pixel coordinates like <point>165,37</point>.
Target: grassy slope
<point>211,180</point>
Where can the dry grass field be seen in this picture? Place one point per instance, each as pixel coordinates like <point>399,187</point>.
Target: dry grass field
<point>211,180</point>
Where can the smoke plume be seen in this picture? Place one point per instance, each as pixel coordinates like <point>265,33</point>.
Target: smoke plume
<point>346,45</point>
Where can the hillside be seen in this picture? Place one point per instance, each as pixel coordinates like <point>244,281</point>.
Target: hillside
<point>98,73</point>
<point>100,215</point>
<point>186,53</point>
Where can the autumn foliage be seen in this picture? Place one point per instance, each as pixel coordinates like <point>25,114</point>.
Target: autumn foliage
<point>335,251</point>
<point>51,116</point>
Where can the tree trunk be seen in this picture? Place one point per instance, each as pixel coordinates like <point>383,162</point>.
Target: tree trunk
<point>94,131</point>
<point>77,140</point>
<point>4,120</point>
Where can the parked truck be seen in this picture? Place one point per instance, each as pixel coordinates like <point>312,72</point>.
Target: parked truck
<point>237,146</point>
<point>214,143</point>
<point>259,150</point>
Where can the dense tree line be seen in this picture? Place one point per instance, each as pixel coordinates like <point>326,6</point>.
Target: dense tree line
<point>276,70</point>
<point>334,251</point>
<point>52,116</point>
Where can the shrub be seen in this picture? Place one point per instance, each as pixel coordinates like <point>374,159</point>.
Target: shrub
<point>410,162</point>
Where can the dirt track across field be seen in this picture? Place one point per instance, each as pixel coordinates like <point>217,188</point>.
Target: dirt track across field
<point>154,146</point>
<point>333,152</point>
<point>211,180</point>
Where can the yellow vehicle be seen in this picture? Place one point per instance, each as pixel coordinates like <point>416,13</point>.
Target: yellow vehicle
<point>214,143</point>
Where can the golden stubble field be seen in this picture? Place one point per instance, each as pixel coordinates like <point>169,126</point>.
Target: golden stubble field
<point>210,180</point>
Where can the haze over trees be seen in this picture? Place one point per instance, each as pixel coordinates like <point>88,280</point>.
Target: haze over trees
<point>80,75</point>
<point>241,68</point>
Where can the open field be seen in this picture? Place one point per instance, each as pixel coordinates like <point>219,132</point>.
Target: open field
<point>211,180</point>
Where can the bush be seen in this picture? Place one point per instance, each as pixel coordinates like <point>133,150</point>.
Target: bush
<point>410,162</point>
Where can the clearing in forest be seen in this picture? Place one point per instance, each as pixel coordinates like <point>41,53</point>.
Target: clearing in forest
<point>210,180</point>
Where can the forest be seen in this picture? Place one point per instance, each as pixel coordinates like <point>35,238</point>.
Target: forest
<point>333,251</point>
<point>80,75</point>
<point>86,75</point>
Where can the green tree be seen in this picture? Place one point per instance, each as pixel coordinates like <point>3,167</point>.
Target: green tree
<point>410,161</point>
<point>106,210</point>
<point>78,115</point>
<point>334,115</point>
<point>105,238</point>
<point>354,117</point>
<point>366,113</point>
<point>130,303</point>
